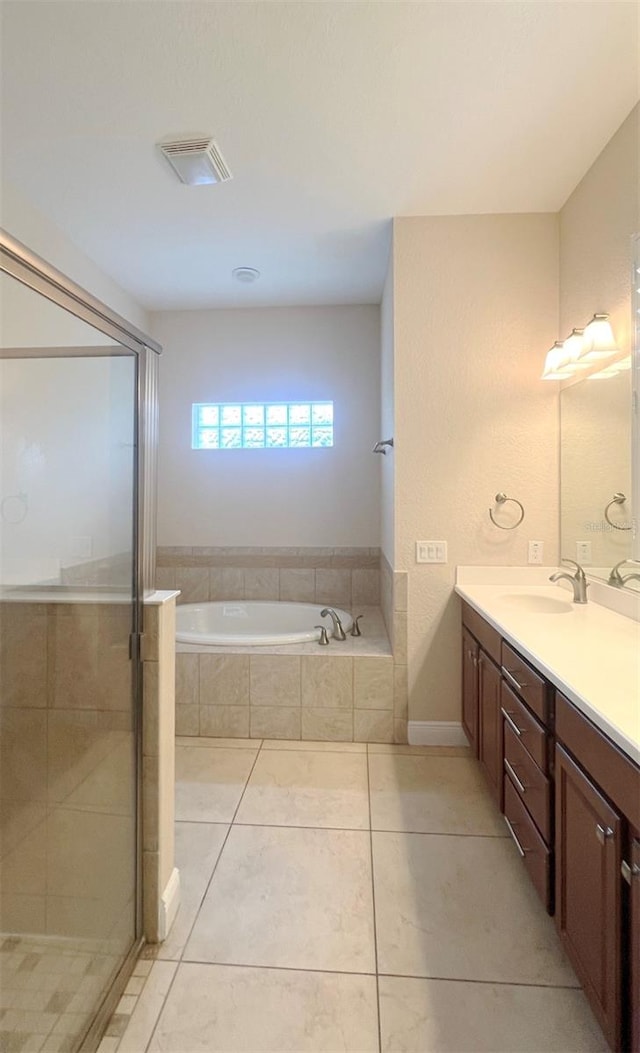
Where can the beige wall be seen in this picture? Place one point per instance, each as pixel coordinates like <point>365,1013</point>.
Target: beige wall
<point>596,225</point>
<point>387,417</point>
<point>325,497</point>
<point>475,308</point>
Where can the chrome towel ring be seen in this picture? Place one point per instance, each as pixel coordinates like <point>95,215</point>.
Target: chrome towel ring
<point>617,499</point>
<point>501,499</point>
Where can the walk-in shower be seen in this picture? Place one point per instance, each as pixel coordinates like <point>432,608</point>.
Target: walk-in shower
<point>76,406</point>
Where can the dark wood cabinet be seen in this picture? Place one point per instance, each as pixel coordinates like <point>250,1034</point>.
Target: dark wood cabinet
<point>633,946</point>
<point>571,797</point>
<point>490,724</point>
<point>588,890</point>
<point>470,650</point>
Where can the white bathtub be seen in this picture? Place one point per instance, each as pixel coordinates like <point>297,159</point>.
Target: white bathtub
<point>252,623</point>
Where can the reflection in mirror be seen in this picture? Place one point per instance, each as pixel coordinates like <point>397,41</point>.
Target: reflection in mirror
<point>595,473</point>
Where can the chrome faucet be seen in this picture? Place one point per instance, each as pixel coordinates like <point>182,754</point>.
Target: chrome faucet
<point>578,581</point>
<point>620,580</point>
<point>338,631</point>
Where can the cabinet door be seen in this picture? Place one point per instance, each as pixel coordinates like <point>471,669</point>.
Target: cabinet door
<point>490,724</point>
<point>470,689</point>
<point>634,941</point>
<point>588,890</point>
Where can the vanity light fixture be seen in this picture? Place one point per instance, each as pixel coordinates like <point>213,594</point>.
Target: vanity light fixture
<point>599,341</point>
<point>555,364</point>
<point>574,348</point>
<point>582,349</point>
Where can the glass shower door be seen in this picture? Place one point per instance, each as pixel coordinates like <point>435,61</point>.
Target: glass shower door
<point>68,684</point>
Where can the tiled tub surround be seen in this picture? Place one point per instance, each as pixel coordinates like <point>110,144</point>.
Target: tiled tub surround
<point>343,577</point>
<point>210,702</point>
<point>349,691</point>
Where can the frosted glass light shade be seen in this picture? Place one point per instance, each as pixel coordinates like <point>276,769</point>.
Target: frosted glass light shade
<point>555,364</point>
<point>574,349</point>
<point>599,341</point>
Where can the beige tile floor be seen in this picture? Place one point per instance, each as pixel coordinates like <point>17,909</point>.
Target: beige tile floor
<point>349,898</point>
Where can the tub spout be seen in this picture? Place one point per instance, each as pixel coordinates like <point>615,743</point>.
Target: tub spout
<point>338,631</point>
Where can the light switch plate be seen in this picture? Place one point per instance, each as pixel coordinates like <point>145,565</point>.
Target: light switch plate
<point>431,551</point>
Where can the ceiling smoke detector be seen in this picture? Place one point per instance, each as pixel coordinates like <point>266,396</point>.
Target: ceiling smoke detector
<point>196,162</point>
<point>245,274</point>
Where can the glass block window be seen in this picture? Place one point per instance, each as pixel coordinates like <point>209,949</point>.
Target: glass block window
<point>261,425</point>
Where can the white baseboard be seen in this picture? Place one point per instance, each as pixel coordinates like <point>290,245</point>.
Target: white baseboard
<point>168,906</point>
<point>436,733</point>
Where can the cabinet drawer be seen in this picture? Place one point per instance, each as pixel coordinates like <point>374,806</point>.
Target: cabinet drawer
<point>535,854</point>
<point>484,633</point>
<point>533,787</point>
<point>526,682</point>
<point>532,734</point>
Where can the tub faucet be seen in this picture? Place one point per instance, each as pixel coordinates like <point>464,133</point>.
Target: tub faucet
<point>618,579</point>
<point>338,631</point>
<point>578,581</point>
<point>324,638</point>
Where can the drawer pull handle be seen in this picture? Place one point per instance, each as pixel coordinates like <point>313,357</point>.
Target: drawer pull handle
<point>603,833</point>
<point>521,850</point>
<point>512,680</point>
<point>523,789</point>
<point>511,722</point>
<point>629,871</point>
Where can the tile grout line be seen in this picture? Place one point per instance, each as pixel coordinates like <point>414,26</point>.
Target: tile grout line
<point>371,846</point>
<point>215,867</point>
<point>391,976</point>
<point>350,829</point>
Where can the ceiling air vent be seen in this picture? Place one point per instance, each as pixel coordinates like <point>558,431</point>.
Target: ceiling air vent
<point>196,161</point>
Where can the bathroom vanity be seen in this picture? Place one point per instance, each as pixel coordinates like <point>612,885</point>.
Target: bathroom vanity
<point>551,709</point>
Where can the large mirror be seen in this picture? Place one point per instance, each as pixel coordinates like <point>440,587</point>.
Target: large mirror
<point>595,474</point>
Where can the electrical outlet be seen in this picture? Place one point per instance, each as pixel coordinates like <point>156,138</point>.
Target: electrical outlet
<point>583,552</point>
<point>536,551</point>
<point>431,551</point>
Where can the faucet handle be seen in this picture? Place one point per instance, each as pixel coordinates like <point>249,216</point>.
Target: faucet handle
<point>355,628</point>
<point>324,636</point>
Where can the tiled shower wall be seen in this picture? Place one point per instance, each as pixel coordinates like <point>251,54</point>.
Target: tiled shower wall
<point>66,755</point>
<point>341,577</point>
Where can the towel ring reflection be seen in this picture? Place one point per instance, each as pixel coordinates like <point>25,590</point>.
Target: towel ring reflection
<point>501,499</point>
<point>617,499</point>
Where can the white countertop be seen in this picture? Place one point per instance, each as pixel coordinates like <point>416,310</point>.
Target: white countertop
<point>588,652</point>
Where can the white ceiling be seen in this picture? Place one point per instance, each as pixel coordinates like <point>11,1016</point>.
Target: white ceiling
<point>333,117</point>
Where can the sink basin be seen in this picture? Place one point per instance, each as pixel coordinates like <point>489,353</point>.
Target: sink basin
<point>533,604</point>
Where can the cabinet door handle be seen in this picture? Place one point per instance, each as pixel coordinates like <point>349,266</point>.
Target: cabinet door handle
<point>603,833</point>
<point>629,871</point>
<point>511,722</point>
<point>523,789</point>
<point>521,850</point>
